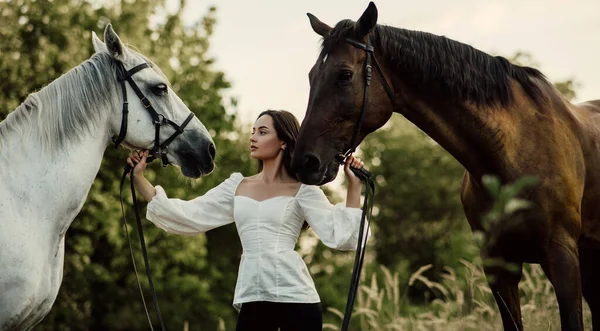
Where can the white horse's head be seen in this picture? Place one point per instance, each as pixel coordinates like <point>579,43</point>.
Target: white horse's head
<point>192,149</point>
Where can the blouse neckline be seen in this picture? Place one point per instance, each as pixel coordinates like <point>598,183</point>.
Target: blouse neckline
<point>259,201</point>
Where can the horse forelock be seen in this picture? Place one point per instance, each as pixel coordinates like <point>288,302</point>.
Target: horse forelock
<point>68,107</point>
<point>453,71</point>
<point>152,65</point>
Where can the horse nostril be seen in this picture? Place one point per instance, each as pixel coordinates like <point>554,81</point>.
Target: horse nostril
<point>311,162</point>
<point>212,151</point>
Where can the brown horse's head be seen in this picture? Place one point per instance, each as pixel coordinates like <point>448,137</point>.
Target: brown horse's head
<point>337,85</point>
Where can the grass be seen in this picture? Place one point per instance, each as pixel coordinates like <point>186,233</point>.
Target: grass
<point>462,304</point>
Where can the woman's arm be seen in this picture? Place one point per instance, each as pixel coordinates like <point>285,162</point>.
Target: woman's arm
<point>137,160</point>
<point>354,183</point>
<point>336,225</point>
<point>184,217</point>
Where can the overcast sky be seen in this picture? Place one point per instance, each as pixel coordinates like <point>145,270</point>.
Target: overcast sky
<point>266,47</point>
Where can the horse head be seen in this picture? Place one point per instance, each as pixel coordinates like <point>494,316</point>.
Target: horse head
<point>153,116</point>
<point>337,90</point>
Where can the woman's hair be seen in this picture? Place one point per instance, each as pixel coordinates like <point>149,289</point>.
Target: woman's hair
<point>286,127</point>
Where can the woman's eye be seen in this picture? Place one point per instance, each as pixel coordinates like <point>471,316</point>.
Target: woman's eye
<point>344,76</point>
<point>160,89</point>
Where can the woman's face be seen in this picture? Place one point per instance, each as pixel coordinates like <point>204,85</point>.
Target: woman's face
<point>264,143</point>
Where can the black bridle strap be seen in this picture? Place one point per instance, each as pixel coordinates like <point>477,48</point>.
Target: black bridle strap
<point>157,119</point>
<point>369,49</point>
<point>123,130</point>
<point>370,57</point>
<point>368,75</point>
<point>178,130</point>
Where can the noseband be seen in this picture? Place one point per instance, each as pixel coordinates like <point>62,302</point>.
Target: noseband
<point>368,74</point>
<point>157,119</point>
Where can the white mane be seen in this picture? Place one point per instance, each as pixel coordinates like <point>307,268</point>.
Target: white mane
<point>68,107</point>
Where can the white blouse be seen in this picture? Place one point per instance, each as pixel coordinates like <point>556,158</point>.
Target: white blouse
<point>270,269</point>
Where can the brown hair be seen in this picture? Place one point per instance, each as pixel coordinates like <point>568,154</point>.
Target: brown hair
<point>286,127</point>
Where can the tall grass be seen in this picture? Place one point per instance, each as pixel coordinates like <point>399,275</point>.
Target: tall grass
<point>462,304</point>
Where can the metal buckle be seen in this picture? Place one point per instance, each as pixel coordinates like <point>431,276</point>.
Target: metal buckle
<point>145,102</point>
<point>343,156</point>
<point>160,120</point>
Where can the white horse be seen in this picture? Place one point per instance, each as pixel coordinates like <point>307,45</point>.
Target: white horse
<point>51,148</point>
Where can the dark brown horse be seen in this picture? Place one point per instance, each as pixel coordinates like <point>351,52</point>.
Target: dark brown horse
<point>494,118</point>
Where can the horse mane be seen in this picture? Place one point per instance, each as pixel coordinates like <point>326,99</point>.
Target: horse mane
<point>68,107</point>
<point>449,69</point>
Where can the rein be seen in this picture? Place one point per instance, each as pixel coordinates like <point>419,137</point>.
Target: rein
<point>365,176</point>
<point>129,170</point>
<point>361,246</point>
<point>159,150</point>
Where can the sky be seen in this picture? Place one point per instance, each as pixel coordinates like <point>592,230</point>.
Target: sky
<point>267,47</point>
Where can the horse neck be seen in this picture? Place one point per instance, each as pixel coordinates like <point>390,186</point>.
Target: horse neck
<point>461,130</point>
<point>467,122</point>
<point>53,179</point>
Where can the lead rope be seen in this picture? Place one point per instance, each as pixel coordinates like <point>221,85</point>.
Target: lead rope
<point>361,247</point>
<point>129,170</point>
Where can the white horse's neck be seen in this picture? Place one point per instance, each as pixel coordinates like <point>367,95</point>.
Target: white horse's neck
<point>55,184</point>
<point>50,180</point>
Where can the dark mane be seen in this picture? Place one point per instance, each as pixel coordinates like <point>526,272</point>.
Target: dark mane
<point>445,67</point>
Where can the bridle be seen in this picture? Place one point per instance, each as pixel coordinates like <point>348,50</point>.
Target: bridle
<point>364,175</point>
<point>158,119</point>
<point>368,75</point>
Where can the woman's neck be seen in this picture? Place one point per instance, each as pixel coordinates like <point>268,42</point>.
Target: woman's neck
<point>274,172</point>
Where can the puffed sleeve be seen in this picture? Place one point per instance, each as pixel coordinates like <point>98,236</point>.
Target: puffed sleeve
<point>336,225</point>
<point>190,217</point>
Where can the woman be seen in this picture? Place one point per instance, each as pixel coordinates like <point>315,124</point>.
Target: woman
<point>274,289</point>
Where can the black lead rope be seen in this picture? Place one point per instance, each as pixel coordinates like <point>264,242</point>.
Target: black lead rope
<point>129,170</point>
<point>361,248</point>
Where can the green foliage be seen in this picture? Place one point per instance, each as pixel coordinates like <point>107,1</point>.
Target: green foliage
<point>506,206</point>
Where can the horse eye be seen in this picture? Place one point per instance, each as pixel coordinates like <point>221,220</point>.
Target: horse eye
<point>344,76</point>
<point>160,89</point>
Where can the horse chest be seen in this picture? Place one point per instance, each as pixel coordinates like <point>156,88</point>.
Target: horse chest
<point>31,286</point>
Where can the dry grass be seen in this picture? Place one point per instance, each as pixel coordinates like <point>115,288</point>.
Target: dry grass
<point>463,304</point>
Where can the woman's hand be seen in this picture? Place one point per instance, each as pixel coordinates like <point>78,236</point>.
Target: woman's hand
<point>350,176</point>
<point>137,160</point>
<point>354,184</point>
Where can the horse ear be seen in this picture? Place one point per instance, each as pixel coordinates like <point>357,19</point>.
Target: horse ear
<point>319,27</point>
<point>367,21</point>
<point>99,46</point>
<point>113,43</point>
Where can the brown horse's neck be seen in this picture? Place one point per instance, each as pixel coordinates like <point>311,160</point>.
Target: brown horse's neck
<point>463,131</point>
<point>456,94</point>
